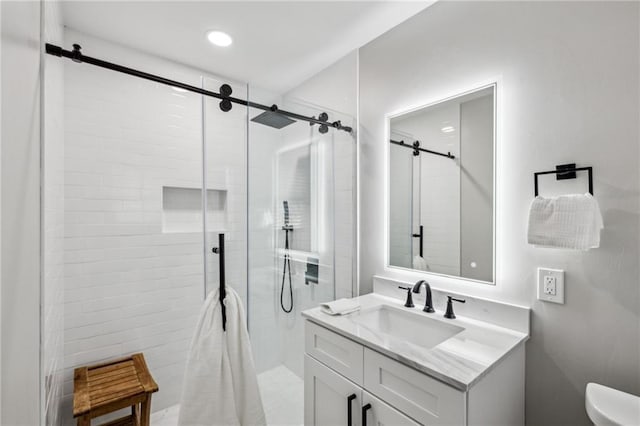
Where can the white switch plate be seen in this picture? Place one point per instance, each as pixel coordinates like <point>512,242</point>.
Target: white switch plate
<point>551,285</point>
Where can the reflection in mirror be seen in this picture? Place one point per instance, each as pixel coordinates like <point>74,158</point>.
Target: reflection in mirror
<point>441,187</point>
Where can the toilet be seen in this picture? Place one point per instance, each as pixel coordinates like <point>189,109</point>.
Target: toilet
<point>610,407</point>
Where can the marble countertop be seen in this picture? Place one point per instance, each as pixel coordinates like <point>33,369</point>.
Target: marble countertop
<point>460,361</point>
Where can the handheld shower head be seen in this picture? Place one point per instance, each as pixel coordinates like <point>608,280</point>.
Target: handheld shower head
<point>286,225</point>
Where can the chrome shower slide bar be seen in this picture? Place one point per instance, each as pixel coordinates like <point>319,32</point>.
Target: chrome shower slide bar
<point>225,90</point>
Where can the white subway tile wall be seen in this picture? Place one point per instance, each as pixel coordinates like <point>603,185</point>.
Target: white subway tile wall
<point>129,286</point>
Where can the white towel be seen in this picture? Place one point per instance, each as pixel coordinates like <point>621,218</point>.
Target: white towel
<point>569,221</point>
<point>220,385</point>
<point>420,263</point>
<point>340,307</point>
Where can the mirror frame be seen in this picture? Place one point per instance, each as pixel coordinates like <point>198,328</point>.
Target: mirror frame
<point>387,167</point>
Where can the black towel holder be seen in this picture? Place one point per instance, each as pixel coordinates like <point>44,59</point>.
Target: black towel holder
<point>223,292</point>
<point>562,172</point>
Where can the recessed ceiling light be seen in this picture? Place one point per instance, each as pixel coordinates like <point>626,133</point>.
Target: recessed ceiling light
<point>448,129</point>
<point>219,38</point>
<point>179,89</point>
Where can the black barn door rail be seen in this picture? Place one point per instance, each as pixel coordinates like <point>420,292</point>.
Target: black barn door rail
<point>225,90</point>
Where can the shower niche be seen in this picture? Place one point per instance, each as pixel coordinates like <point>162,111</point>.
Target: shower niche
<point>182,210</point>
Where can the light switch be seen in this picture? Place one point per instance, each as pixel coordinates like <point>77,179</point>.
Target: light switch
<point>551,285</point>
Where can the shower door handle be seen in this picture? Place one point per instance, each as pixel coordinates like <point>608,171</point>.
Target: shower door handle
<point>364,414</point>
<point>350,399</point>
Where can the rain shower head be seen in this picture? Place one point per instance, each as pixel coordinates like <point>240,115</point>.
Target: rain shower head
<point>273,119</point>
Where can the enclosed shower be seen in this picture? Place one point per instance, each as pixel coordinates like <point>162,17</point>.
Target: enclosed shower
<point>162,163</point>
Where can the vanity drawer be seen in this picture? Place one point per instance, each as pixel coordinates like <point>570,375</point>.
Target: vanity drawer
<point>426,400</point>
<point>335,351</point>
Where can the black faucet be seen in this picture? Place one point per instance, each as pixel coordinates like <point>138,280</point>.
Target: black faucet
<point>409,302</point>
<point>449,314</point>
<point>428,304</point>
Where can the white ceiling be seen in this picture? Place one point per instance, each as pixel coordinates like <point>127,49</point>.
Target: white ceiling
<point>277,45</point>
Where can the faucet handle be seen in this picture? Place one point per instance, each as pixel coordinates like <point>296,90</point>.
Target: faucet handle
<point>449,314</point>
<point>409,302</point>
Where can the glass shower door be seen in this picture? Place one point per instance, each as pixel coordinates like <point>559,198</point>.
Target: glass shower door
<point>292,248</point>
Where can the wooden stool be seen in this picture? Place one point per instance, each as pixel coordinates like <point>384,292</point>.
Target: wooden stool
<point>104,388</point>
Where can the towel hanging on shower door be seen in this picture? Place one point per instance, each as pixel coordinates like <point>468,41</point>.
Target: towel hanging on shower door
<point>220,385</point>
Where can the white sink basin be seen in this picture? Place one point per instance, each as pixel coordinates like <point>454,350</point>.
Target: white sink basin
<point>414,327</point>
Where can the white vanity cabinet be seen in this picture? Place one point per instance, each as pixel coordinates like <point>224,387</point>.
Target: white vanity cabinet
<point>331,399</point>
<point>349,384</point>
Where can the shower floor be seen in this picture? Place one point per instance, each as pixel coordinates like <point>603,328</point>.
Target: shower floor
<point>282,396</point>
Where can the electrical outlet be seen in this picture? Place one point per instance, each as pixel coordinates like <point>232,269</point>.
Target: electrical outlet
<point>551,285</point>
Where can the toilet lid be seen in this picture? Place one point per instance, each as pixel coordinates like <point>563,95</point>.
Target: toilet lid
<point>607,406</point>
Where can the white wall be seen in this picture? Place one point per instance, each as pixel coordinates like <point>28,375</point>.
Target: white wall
<point>20,292</point>
<point>567,92</point>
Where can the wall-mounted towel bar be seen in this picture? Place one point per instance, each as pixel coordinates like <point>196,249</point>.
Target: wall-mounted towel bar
<point>565,171</point>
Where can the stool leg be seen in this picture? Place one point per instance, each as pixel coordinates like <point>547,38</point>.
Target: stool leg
<point>84,421</point>
<point>135,412</point>
<point>145,419</point>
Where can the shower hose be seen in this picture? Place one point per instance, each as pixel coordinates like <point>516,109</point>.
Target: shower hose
<point>287,264</point>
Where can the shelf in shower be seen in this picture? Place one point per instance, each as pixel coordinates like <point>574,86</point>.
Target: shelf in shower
<point>182,210</point>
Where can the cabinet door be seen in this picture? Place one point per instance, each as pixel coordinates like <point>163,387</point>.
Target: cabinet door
<point>378,413</point>
<point>329,397</point>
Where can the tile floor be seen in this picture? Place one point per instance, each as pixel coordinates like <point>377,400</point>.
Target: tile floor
<point>282,396</point>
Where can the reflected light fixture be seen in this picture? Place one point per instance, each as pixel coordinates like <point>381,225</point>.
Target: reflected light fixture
<point>219,38</point>
<point>448,129</point>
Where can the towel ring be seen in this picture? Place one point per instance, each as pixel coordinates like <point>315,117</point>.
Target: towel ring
<point>562,172</point>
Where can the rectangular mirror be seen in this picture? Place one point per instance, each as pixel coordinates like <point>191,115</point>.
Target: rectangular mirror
<point>441,187</point>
